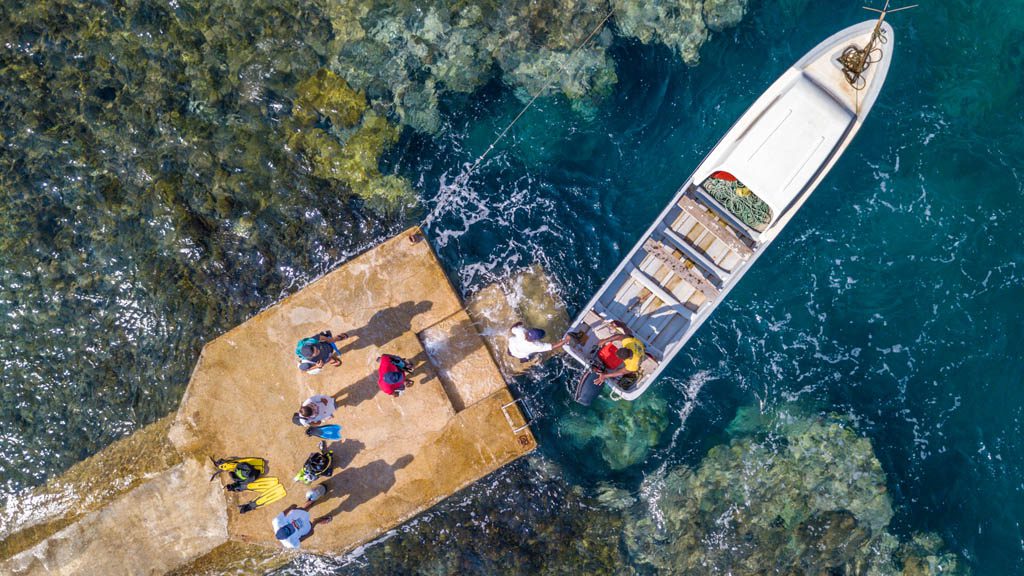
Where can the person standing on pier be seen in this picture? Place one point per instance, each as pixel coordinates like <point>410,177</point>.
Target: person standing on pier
<point>315,410</point>
<point>317,351</point>
<point>524,343</point>
<point>391,374</point>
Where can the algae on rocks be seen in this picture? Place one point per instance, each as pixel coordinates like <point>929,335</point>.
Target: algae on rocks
<point>623,432</point>
<point>406,55</point>
<point>795,494</point>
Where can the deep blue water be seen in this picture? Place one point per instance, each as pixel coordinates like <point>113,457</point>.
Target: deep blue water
<point>894,296</point>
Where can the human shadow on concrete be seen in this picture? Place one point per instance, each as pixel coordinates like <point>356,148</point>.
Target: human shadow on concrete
<point>355,393</point>
<point>345,451</point>
<point>360,485</point>
<point>385,326</point>
<point>421,372</point>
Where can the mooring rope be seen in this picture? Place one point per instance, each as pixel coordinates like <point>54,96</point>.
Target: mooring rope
<point>541,92</point>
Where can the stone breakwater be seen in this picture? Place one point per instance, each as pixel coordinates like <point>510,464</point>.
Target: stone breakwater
<point>148,504</point>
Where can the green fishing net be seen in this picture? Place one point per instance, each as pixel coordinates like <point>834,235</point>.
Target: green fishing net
<point>739,200</point>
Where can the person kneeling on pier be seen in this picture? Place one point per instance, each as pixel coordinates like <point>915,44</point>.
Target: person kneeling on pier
<point>628,357</point>
<point>314,410</point>
<point>317,351</point>
<point>293,525</point>
<point>391,375</point>
<point>524,343</point>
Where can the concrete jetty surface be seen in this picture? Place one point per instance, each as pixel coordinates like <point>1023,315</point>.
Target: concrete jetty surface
<point>398,456</point>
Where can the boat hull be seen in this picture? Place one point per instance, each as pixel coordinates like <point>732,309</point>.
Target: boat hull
<point>783,146</point>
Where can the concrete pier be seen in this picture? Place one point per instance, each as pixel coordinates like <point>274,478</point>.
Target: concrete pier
<point>456,423</point>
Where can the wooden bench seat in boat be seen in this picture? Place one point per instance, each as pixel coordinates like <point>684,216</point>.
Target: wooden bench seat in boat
<point>673,303</point>
<point>710,222</point>
<point>695,255</point>
<point>679,268</point>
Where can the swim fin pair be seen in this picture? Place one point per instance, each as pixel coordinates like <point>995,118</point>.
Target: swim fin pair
<point>269,489</point>
<point>230,464</point>
<point>329,431</point>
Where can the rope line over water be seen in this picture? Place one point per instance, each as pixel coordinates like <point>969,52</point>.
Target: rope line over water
<point>540,92</point>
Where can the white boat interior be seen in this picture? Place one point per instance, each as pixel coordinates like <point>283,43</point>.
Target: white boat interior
<point>732,207</point>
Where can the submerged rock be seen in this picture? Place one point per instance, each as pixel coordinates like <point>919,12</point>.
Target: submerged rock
<point>622,432</point>
<point>326,94</point>
<point>796,495</point>
<point>530,297</point>
<point>406,55</point>
<point>679,26</point>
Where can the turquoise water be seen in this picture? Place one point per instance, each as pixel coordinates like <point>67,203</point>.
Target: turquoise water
<point>893,298</point>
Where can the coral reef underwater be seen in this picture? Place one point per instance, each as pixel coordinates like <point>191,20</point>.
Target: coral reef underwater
<point>788,494</point>
<point>795,494</point>
<point>622,432</point>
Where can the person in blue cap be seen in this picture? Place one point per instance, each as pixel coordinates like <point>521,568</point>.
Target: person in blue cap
<point>293,525</point>
<point>524,343</point>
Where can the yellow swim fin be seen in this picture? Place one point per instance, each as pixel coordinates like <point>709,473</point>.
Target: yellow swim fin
<point>271,496</point>
<point>262,484</point>
<point>267,496</point>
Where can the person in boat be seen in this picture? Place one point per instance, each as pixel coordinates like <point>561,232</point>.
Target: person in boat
<point>317,351</point>
<point>315,410</point>
<point>524,343</point>
<point>629,353</point>
<point>294,525</point>
<point>392,373</point>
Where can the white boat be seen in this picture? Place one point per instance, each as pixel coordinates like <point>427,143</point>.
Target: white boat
<point>735,204</point>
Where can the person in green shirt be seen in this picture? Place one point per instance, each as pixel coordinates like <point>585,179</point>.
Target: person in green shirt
<point>631,352</point>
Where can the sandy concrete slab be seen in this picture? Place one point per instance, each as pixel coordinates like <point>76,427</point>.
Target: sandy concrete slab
<point>467,370</point>
<point>170,520</point>
<point>398,456</point>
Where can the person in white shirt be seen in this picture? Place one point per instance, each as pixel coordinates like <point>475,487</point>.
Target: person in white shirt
<point>524,342</point>
<point>315,410</point>
<point>293,525</point>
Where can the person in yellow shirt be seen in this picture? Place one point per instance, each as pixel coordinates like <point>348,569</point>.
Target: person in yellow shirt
<point>631,351</point>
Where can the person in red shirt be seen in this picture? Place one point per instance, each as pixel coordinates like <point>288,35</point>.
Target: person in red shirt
<point>391,375</point>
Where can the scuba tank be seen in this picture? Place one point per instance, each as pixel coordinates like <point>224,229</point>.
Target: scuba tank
<point>317,464</point>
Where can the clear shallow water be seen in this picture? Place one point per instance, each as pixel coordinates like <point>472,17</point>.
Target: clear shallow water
<point>894,297</point>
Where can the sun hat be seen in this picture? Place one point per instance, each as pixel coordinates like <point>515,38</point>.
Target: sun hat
<point>393,377</point>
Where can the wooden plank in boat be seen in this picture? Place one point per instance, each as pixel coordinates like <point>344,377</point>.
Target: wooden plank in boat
<point>678,267</point>
<point>711,223</point>
<point>672,301</point>
<point>694,254</point>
